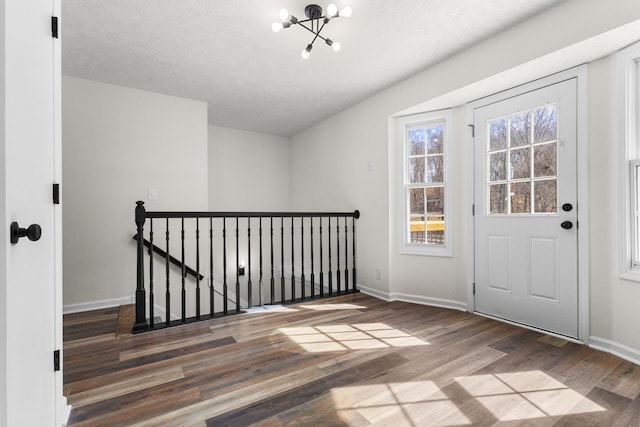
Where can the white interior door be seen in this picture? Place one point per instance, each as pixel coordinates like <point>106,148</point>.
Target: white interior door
<point>526,240</point>
<point>30,313</point>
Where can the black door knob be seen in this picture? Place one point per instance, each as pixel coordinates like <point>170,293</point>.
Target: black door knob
<point>567,225</point>
<point>33,232</point>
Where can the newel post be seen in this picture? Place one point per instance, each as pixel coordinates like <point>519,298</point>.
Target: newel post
<point>141,317</point>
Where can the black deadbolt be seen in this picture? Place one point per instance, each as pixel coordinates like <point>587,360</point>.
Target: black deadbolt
<point>567,207</point>
<point>33,232</point>
<point>567,225</point>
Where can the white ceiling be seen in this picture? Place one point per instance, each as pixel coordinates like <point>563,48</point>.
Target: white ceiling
<point>223,52</point>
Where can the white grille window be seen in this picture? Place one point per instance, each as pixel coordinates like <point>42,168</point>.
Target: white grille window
<point>426,224</point>
<point>629,161</point>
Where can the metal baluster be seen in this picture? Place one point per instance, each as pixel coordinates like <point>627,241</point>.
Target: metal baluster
<point>282,259</point>
<point>237,268</point>
<point>151,315</point>
<point>211,283</point>
<point>168,291</point>
<point>293,275</point>
<point>184,276</point>
<point>224,267</point>
<point>313,279</point>
<point>273,280</point>
<point>321,261</point>
<point>346,257</point>
<point>302,281</point>
<point>249,290</point>
<point>260,281</point>
<point>330,273</point>
<point>356,215</point>
<point>198,268</point>
<point>338,254</point>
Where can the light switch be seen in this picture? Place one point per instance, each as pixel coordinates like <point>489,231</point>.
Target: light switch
<point>152,194</point>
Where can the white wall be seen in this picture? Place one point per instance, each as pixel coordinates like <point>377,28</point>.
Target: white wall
<point>331,157</point>
<point>614,309</point>
<point>248,171</point>
<point>118,142</point>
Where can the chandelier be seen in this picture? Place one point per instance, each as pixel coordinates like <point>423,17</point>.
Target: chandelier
<point>314,23</point>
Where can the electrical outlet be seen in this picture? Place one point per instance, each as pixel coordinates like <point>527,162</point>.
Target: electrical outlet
<point>378,274</point>
<point>370,165</point>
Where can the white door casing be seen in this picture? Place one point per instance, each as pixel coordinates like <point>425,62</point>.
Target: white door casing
<point>30,271</point>
<point>526,264</point>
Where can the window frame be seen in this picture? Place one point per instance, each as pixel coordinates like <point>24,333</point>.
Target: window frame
<point>404,125</point>
<point>628,61</point>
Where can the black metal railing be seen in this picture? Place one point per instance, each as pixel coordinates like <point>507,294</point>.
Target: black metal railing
<point>250,247</point>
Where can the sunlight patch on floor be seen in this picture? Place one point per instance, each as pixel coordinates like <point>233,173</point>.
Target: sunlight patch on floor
<point>526,395</point>
<point>323,307</point>
<point>410,403</point>
<point>268,309</point>
<point>510,397</point>
<point>343,337</point>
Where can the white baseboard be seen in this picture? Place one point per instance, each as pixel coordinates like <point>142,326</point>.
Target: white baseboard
<point>97,305</point>
<point>374,293</point>
<point>627,353</point>
<point>158,310</point>
<point>415,299</point>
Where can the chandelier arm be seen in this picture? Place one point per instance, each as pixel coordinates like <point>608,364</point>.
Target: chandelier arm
<point>316,34</point>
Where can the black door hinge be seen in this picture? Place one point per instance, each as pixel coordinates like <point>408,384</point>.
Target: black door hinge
<point>473,209</point>
<point>56,194</point>
<point>54,27</point>
<point>473,130</point>
<point>56,360</point>
<point>474,288</point>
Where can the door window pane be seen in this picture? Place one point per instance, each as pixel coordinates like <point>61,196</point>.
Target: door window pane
<point>545,123</point>
<point>498,134</point>
<point>545,159</point>
<point>520,129</point>
<point>520,197</point>
<point>546,196</point>
<point>520,163</point>
<point>498,166</point>
<point>498,199</point>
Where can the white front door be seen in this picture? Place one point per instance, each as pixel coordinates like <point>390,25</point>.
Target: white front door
<point>30,307</point>
<point>526,240</point>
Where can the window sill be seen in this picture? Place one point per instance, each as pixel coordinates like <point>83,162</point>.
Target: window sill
<point>431,251</point>
<point>633,275</point>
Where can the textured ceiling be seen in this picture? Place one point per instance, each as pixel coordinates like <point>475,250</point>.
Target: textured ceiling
<point>223,52</point>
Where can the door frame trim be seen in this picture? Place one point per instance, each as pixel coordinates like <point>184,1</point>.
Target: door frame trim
<point>580,73</point>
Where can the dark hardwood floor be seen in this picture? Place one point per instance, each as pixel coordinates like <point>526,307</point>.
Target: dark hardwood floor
<point>349,361</point>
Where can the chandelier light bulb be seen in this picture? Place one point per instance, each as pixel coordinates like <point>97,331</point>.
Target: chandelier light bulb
<point>277,26</point>
<point>335,46</point>
<point>284,14</point>
<point>346,12</point>
<point>332,10</point>
<point>306,53</point>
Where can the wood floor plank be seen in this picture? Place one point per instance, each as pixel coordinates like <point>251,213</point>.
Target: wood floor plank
<point>347,361</point>
<point>299,395</point>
